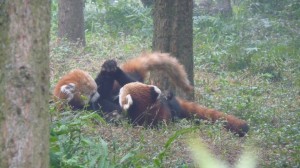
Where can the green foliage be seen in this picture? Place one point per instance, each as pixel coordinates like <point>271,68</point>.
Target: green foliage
<point>121,17</point>
<point>247,65</point>
<point>263,43</point>
<point>74,144</point>
<point>158,161</point>
<point>126,17</point>
<point>70,147</point>
<point>54,16</point>
<point>280,8</point>
<point>244,56</point>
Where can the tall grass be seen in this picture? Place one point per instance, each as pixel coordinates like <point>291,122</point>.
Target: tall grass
<point>255,60</point>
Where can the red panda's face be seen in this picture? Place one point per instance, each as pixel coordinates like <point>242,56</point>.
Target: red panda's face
<point>138,93</point>
<point>77,88</point>
<point>68,90</point>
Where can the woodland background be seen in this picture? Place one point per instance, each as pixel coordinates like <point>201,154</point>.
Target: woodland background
<point>246,64</point>
<point>246,56</point>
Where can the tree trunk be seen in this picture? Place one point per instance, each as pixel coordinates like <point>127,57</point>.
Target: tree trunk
<point>173,33</point>
<point>224,7</point>
<point>24,83</point>
<point>71,21</point>
<point>147,3</point>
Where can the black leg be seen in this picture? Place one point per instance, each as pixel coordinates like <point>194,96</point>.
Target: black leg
<point>123,78</point>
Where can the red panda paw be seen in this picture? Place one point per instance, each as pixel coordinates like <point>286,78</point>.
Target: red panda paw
<point>109,66</point>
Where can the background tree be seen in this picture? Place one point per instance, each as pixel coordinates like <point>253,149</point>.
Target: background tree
<point>147,3</point>
<point>71,20</point>
<point>173,33</point>
<point>24,82</point>
<point>224,8</point>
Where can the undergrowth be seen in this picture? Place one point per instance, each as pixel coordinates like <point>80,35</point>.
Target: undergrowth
<point>247,65</point>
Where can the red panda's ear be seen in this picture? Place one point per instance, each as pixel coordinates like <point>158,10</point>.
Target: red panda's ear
<point>125,99</point>
<point>155,92</point>
<point>129,102</point>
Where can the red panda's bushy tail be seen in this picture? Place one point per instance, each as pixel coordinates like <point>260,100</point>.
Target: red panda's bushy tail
<point>233,123</point>
<point>159,61</point>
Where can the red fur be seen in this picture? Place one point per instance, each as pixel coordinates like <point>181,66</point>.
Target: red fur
<point>85,86</point>
<point>191,109</point>
<point>146,111</point>
<point>140,66</point>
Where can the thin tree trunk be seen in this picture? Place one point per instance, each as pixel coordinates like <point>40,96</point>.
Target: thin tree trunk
<point>173,33</point>
<point>71,20</point>
<point>24,83</point>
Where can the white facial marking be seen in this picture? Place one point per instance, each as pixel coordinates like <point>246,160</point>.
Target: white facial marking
<point>68,90</point>
<point>129,102</point>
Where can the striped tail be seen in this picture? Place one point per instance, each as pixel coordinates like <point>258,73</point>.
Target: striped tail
<point>159,61</point>
<point>234,124</point>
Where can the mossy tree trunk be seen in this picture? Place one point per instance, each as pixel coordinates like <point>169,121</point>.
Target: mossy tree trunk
<point>71,21</point>
<point>24,83</point>
<point>173,33</point>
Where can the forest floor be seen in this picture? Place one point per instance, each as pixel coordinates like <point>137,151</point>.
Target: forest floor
<point>272,110</point>
<point>247,65</point>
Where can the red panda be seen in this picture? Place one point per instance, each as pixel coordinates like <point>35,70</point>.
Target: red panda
<point>139,67</point>
<point>145,105</point>
<point>75,89</point>
<point>106,85</point>
<point>140,101</point>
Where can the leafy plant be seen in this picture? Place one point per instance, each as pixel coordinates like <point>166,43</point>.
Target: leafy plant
<point>121,17</point>
<point>158,161</point>
<point>70,147</point>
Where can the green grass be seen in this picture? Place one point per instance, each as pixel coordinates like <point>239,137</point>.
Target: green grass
<point>248,66</point>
